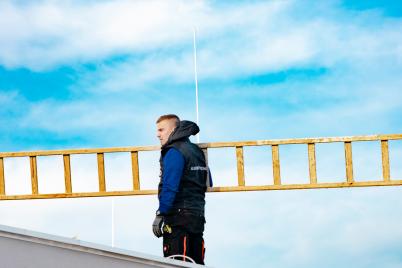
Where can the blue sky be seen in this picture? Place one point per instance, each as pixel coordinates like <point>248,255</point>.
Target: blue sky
<point>79,74</point>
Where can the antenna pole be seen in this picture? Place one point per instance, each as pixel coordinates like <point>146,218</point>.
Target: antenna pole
<point>112,222</point>
<point>196,81</point>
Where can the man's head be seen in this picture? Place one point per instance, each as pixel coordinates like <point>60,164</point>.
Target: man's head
<point>165,125</point>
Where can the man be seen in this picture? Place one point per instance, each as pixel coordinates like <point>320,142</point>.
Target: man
<point>184,180</point>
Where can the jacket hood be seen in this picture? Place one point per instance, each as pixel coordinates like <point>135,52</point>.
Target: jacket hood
<point>183,131</point>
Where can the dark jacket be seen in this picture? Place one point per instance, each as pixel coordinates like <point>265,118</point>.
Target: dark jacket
<point>193,183</point>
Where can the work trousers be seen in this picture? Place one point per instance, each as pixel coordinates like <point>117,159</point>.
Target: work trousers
<point>183,235</point>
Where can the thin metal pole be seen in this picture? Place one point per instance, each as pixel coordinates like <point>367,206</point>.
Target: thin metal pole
<point>196,80</point>
<point>112,222</point>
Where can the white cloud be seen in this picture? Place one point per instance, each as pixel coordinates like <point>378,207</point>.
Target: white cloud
<point>299,228</point>
<point>49,33</point>
<point>69,116</point>
<point>232,44</point>
<point>7,97</point>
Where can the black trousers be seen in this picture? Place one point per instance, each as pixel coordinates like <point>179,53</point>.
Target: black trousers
<point>183,235</point>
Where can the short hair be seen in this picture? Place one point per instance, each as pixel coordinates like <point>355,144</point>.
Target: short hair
<point>169,117</point>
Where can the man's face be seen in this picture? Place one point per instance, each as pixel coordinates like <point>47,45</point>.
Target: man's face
<point>164,129</point>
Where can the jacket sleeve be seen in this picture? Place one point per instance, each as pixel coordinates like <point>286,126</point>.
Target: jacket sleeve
<point>173,166</point>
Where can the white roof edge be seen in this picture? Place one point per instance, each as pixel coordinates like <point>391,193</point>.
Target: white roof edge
<point>93,248</point>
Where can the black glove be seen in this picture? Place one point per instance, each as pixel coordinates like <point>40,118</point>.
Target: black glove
<point>157,226</point>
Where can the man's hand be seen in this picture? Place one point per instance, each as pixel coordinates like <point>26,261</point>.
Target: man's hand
<point>157,226</point>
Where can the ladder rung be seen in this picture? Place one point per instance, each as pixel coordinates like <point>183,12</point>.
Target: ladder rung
<point>349,162</point>
<point>101,172</point>
<point>67,173</point>
<point>312,163</point>
<point>34,174</point>
<point>385,160</point>
<point>276,166</point>
<point>135,170</point>
<point>2,182</point>
<point>240,166</point>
